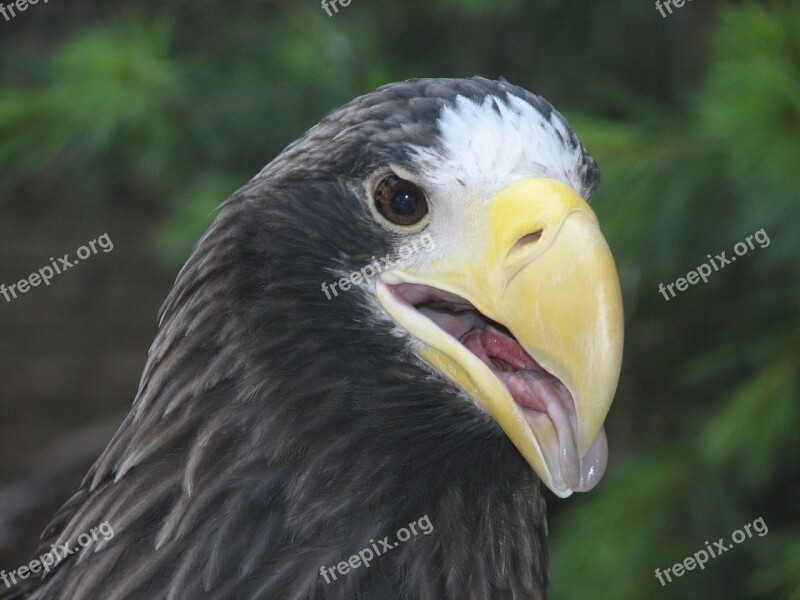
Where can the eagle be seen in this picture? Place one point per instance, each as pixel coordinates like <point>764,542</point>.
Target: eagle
<point>386,341</point>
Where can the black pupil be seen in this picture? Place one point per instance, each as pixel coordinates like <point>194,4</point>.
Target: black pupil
<point>405,202</point>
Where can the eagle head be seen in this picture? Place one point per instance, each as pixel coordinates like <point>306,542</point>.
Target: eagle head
<point>463,230</point>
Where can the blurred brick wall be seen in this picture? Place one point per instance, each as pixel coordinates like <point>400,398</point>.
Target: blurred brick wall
<point>71,353</point>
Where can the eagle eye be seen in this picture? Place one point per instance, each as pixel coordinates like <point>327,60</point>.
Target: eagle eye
<point>400,201</point>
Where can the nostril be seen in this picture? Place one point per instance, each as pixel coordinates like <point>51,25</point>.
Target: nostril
<point>521,248</point>
<point>529,239</point>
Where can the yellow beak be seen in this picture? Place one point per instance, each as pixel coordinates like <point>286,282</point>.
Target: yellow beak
<point>536,264</point>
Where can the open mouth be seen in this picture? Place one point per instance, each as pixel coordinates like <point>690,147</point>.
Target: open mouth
<point>540,398</point>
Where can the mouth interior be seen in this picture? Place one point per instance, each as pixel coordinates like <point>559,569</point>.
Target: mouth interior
<point>544,401</point>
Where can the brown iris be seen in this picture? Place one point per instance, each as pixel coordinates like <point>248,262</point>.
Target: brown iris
<point>400,201</point>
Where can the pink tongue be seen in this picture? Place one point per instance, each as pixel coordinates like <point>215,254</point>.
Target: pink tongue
<point>536,390</point>
<point>490,342</point>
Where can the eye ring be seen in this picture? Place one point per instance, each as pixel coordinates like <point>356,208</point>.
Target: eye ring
<point>400,201</point>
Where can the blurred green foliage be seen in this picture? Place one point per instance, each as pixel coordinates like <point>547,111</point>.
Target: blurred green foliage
<point>699,144</point>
